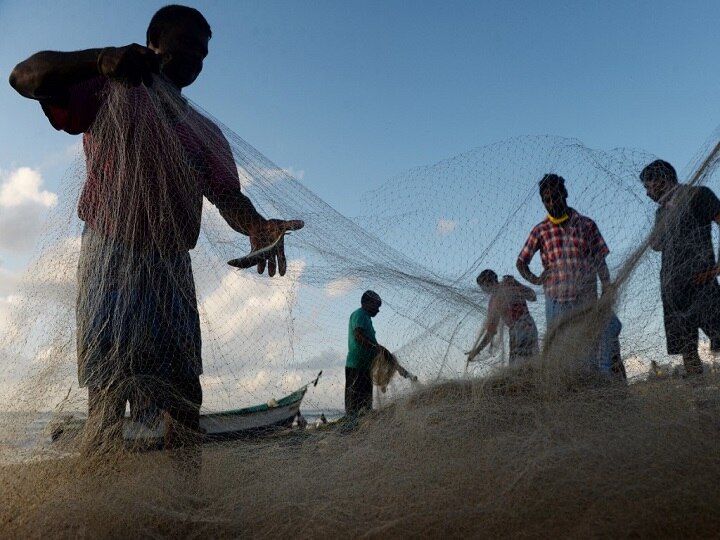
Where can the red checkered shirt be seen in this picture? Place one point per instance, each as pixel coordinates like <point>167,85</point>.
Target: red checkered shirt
<point>570,254</point>
<point>168,216</point>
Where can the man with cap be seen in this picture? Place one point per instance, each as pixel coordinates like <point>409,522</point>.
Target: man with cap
<point>362,349</point>
<point>688,285</point>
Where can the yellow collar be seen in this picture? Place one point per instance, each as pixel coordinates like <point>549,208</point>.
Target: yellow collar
<point>558,221</point>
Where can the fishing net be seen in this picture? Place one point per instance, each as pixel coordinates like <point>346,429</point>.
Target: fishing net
<point>542,449</point>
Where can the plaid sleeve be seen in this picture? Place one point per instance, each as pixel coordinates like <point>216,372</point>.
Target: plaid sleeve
<point>76,114</point>
<point>597,242</point>
<point>532,244</point>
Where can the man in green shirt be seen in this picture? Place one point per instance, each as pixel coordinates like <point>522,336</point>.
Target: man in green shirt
<point>362,349</point>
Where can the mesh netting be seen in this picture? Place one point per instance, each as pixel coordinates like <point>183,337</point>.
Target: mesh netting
<point>470,449</point>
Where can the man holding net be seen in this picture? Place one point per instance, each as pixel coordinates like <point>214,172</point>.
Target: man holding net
<point>367,361</point>
<point>688,285</point>
<point>150,160</point>
<point>572,252</point>
<point>508,301</point>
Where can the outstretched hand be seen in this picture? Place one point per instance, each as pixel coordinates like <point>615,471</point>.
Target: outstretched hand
<point>268,246</point>
<point>131,65</point>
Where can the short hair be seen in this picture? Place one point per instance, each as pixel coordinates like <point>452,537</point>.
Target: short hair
<point>370,297</point>
<point>168,16</point>
<point>553,181</point>
<point>487,277</point>
<point>659,170</point>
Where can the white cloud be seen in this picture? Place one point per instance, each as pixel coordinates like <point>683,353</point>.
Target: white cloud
<point>22,186</point>
<point>298,174</point>
<point>8,283</point>
<point>57,265</point>
<point>243,305</point>
<point>23,208</point>
<point>340,287</point>
<point>446,226</point>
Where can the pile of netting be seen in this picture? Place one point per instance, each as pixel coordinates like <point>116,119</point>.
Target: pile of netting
<point>475,448</point>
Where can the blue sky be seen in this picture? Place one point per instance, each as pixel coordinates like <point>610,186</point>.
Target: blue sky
<point>350,94</point>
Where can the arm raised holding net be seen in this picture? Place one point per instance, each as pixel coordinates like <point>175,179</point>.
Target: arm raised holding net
<point>49,75</point>
<point>150,159</point>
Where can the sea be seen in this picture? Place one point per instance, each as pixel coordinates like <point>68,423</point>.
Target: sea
<point>26,437</point>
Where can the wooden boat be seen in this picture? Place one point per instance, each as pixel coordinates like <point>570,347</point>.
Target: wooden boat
<point>217,426</point>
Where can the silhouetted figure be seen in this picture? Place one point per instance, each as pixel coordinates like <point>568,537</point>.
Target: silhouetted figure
<point>508,302</point>
<point>138,323</point>
<point>572,252</point>
<point>688,285</point>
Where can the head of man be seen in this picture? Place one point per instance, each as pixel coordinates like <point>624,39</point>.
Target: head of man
<point>554,195</point>
<point>658,177</point>
<point>487,281</point>
<point>180,36</point>
<point>371,302</point>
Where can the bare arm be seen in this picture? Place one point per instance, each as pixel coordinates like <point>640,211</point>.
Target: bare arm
<point>604,274</point>
<point>48,75</point>
<point>518,291</point>
<point>528,293</point>
<point>242,215</point>
<point>525,272</point>
<point>363,340</point>
<point>490,329</point>
<point>657,234</point>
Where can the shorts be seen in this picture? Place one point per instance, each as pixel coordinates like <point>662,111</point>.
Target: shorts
<point>701,313</point>
<point>523,336</point>
<point>358,390</point>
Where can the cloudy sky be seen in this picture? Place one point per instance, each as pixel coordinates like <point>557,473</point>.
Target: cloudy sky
<point>346,95</point>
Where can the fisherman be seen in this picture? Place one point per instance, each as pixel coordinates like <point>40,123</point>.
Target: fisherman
<point>138,327</point>
<point>362,349</point>
<point>573,253</point>
<point>508,302</point>
<point>688,286</point>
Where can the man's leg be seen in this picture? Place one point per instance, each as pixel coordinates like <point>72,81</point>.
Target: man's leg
<point>181,398</point>
<point>523,337</point>
<point>183,401</point>
<point>710,320</point>
<point>106,410</point>
<point>681,333</point>
<point>352,405</point>
<point>692,362</point>
<point>609,346</point>
<point>365,390</point>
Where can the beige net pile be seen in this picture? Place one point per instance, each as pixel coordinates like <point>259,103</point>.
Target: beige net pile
<point>543,450</point>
